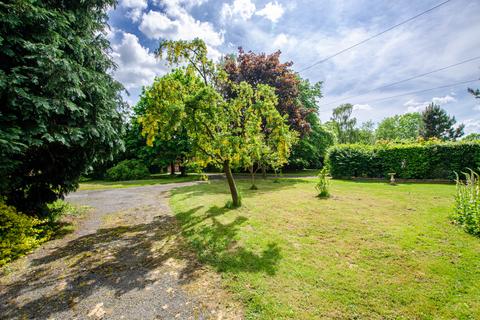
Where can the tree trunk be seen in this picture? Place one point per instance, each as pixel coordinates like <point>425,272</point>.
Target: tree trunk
<point>252,176</point>
<point>183,171</point>
<point>264,172</point>
<point>183,168</point>
<point>172,168</point>
<point>275,170</point>
<point>231,183</point>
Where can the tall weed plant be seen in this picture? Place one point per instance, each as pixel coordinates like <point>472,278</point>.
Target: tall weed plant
<point>467,202</point>
<point>323,184</point>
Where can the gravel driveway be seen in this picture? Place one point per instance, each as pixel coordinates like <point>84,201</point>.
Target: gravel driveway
<point>126,260</point>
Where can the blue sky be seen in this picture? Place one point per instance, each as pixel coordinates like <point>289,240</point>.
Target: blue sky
<point>307,31</point>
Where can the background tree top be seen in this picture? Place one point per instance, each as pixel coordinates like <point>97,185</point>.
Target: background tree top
<point>267,69</point>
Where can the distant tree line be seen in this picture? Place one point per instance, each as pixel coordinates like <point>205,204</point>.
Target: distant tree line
<point>432,123</point>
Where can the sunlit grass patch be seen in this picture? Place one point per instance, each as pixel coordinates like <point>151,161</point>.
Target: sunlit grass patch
<point>371,250</point>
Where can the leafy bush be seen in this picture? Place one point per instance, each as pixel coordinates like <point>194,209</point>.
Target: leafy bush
<point>428,160</point>
<point>322,184</point>
<point>467,203</point>
<point>128,170</point>
<point>18,233</point>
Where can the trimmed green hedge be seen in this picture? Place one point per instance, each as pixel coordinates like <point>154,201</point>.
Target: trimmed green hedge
<point>408,161</point>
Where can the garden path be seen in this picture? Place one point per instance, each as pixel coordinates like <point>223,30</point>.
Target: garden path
<point>126,260</point>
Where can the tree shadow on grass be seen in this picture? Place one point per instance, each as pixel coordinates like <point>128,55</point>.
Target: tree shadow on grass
<point>220,187</point>
<point>120,259</point>
<point>127,259</point>
<point>215,242</point>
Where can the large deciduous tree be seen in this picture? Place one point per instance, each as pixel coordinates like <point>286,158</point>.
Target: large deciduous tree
<point>267,69</point>
<point>162,152</point>
<point>366,133</point>
<point>61,109</point>
<point>227,131</point>
<point>343,124</point>
<point>400,127</point>
<point>310,150</point>
<point>438,124</point>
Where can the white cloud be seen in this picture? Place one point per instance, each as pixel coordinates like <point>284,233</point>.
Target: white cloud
<point>477,107</point>
<point>156,25</point>
<point>443,100</point>
<point>244,9</point>
<point>472,125</point>
<point>135,8</point>
<point>179,3</point>
<point>137,66</point>
<point>272,11</point>
<point>280,41</point>
<point>176,23</point>
<point>365,107</point>
<point>133,3</point>
<point>414,106</point>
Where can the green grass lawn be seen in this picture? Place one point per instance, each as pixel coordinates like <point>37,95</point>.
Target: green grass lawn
<point>371,251</point>
<point>286,174</point>
<point>167,178</point>
<point>155,179</point>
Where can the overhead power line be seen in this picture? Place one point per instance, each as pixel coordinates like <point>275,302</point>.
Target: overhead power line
<point>374,36</point>
<point>420,91</point>
<point>402,81</point>
<point>415,92</point>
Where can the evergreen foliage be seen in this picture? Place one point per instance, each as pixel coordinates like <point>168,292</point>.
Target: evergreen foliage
<point>61,109</point>
<point>438,124</point>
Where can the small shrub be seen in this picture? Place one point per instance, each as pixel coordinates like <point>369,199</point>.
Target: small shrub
<point>467,203</point>
<point>18,233</point>
<point>128,170</point>
<point>323,184</point>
